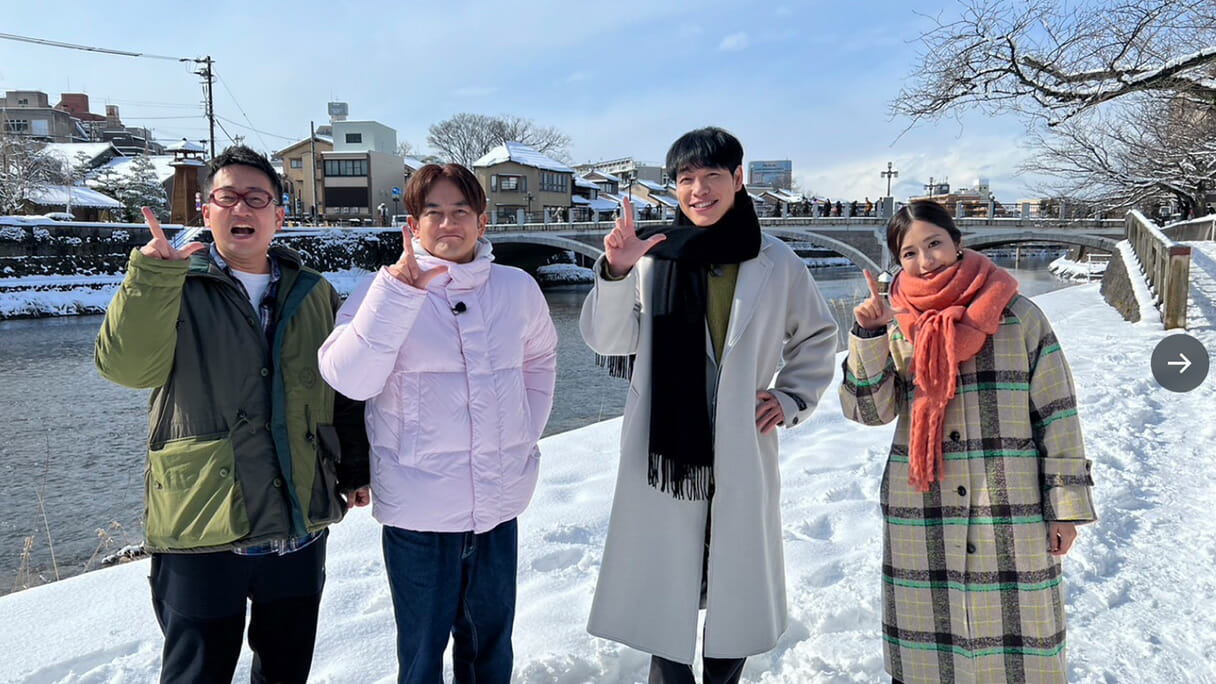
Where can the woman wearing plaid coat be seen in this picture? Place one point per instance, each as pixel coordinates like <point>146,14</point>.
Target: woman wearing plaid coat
<point>987,477</point>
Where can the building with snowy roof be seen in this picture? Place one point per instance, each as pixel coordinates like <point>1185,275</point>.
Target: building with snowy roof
<point>606,181</point>
<point>81,157</point>
<point>626,169</point>
<point>83,203</point>
<point>521,181</point>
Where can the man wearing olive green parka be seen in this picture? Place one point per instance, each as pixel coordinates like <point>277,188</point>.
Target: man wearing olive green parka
<point>250,453</point>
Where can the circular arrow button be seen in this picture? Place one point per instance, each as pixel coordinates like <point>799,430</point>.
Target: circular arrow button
<point>1180,363</point>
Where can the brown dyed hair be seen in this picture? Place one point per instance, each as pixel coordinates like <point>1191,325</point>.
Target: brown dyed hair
<point>919,210</point>
<point>425,178</point>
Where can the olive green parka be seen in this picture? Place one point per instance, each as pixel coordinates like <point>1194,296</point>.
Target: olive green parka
<point>243,440</point>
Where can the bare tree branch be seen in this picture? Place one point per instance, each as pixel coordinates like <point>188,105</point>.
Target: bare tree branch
<point>1054,59</point>
<point>466,137</point>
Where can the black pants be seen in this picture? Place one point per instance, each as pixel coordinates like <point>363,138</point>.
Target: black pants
<point>713,671</point>
<point>200,602</point>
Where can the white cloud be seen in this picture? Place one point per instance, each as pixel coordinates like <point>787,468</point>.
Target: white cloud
<point>734,42</point>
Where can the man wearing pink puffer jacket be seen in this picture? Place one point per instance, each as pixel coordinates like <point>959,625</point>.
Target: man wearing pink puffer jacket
<point>456,358</point>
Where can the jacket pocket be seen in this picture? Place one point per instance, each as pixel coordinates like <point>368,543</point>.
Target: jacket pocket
<point>194,498</point>
<point>325,506</point>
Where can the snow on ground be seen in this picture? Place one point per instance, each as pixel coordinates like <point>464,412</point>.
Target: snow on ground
<point>1141,585</point>
<point>553,274</point>
<point>34,296</point>
<point>1077,270</point>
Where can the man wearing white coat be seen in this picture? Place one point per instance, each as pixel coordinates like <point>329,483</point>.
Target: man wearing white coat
<point>708,315</point>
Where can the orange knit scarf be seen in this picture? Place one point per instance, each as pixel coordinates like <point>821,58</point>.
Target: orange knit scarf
<point>948,317</point>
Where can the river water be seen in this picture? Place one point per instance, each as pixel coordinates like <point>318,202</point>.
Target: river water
<point>72,444</point>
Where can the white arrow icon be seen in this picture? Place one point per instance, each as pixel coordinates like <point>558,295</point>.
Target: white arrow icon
<point>1185,363</point>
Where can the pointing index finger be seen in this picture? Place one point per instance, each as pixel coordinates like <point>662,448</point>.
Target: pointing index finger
<point>153,223</point>
<point>872,282</point>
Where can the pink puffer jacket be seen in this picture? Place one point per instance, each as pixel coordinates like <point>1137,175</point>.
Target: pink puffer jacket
<point>459,383</point>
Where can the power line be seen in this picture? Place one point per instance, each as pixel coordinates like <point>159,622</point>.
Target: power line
<point>205,71</point>
<point>88,48</point>
<point>242,111</point>
<point>237,123</point>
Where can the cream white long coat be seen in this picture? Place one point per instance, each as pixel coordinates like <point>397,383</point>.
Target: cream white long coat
<point>649,587</point>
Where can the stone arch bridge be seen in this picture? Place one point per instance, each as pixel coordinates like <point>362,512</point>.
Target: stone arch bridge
<point>862,240</point>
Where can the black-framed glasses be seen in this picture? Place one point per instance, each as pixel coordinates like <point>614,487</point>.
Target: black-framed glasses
<point>254,199</point>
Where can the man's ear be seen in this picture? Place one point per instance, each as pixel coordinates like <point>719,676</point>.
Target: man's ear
<point>207,214</point>
<point>738,177</point>
<point>481,228</point>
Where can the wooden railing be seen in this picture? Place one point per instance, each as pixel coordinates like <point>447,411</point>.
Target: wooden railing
<point>1166,263</point>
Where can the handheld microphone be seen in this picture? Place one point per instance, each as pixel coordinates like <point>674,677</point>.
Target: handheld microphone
<point>459,308</point>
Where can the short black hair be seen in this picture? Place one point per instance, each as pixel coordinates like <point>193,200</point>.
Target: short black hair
<point>705,148</point>
<point>919,210</point>
<point>244,156</point>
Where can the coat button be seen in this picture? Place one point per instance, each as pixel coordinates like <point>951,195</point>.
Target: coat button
<point>962,491</point>
<point>955,436</point>
<point>268,427</point>
<point>970,547</point>
<point>266,372</point>
<point>278,482</point>
<point>794,421</point>
<point>223,472</point>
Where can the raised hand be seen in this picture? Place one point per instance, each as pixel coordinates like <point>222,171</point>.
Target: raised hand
<point>874,312</point>
<point>409,272</point>
<point>159,246</point>
<point>623,247</point>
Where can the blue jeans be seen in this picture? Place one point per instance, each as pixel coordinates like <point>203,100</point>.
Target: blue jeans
<point>453,583</point>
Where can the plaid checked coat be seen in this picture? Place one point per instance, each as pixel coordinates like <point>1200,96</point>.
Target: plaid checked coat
<point>970,592</point>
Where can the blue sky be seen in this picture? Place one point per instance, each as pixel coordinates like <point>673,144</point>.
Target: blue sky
<point>808,81</point>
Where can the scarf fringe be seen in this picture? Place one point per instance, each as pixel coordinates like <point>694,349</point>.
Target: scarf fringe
<point>681,480</point>
<point>617,366</point>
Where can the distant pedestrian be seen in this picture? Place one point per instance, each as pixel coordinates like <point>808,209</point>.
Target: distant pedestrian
<point>837,208</point>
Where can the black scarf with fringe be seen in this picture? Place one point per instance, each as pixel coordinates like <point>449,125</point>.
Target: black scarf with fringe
<point>681,427</point>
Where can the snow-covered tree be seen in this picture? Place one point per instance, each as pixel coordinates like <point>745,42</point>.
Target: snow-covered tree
<point>137,186</point>
<point>143,189</point>
<point>1056,58</point>
<point>24,171</point>
<point>1133,155</point>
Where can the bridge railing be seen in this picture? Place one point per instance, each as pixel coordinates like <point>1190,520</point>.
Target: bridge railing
<point>1202,228</point>
<point>1166,263</point>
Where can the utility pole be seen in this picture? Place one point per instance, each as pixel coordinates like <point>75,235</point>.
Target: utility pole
<point>312,163</point>
<point>931,188</point>
<point>889,173</point>
<point>208,80</point>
